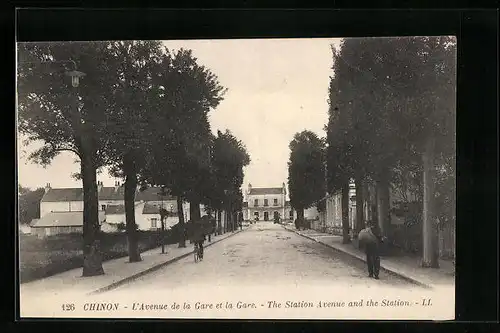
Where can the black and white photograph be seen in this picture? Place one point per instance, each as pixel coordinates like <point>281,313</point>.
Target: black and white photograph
<point>265,178</point>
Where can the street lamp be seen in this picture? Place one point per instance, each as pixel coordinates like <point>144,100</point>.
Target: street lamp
<point>75,77</point>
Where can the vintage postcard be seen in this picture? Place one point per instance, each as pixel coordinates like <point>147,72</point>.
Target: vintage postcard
<point>304,178</point>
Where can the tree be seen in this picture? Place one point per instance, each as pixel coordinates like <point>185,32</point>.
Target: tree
<point>29,204</point>
<point>179,154</point>
<point>306,171</point>
<point>229,157</point>
<point>129,122</point>
<point>66,118</point>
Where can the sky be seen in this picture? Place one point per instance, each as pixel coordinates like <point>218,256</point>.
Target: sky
<point>276,88</point>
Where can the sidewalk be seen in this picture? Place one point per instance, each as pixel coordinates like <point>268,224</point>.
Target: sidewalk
<point>404,266</point>
<point>117,271</point>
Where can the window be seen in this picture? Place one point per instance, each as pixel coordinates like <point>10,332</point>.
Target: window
<point>276,202</point>
<point>103,207</point>
<point>154,223</point>
<point>265,202</point>
<point>256,202</point>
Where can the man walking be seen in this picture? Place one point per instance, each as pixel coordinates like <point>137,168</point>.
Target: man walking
<point>370,239</point>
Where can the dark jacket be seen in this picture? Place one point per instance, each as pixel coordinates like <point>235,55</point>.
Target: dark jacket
<point>198,233</point>
<point>377,233</point>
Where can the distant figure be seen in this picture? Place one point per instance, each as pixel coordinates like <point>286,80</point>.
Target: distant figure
<point>370,239</point>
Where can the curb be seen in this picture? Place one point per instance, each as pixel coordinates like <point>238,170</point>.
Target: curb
<point>385,269</point>
<point>131,278</point>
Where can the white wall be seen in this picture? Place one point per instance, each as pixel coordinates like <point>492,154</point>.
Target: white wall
<point>270,198</point>
<point>115,218</point>
<point>311,213</point>
<point>109,202</point>
<point>67,206</point>
<point>72,206</point>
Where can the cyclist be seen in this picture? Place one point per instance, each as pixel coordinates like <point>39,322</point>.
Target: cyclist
<point>199,237</point>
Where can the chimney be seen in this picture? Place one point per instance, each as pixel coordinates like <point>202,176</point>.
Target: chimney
<point>249,188</point>
<point>117,185</point>
<point>47,187</point>
<point>99,186</point>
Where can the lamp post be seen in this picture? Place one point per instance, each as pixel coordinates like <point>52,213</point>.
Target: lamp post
<point>162,219</point>
<point>90,218</point>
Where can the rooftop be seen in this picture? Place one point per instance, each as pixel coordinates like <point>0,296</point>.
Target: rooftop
<point>115,209</point>
<point>63,219</point>
<point>265,190</point>
<point>153,194</point>
<point>106,193</point>
<point>153,209</point>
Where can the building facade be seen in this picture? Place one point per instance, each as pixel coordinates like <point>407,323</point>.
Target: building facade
<point>61,209</point>
<point>265,203</point>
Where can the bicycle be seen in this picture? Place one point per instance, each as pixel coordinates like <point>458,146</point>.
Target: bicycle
<point>198,255</point>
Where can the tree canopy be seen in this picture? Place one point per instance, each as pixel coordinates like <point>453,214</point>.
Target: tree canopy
<point>29,204</point>
<point>306,170</point>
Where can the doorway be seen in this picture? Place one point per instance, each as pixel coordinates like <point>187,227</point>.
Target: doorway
<point>266,216</point>
<point>276,215</point>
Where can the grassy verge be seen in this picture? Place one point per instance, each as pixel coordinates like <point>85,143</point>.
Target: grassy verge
<point>40,258</point>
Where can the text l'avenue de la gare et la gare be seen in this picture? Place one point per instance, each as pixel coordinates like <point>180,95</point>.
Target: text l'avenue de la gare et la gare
<point>240,305</point>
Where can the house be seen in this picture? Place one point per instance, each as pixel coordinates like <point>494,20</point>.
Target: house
<point>150,218</point>
<point>265,203</point>
<point>115,218</point>
<point>56,223</point>
<point>330,219</point>
<point>147,217</point>
<point>71,199</point>
<point>111,203</point>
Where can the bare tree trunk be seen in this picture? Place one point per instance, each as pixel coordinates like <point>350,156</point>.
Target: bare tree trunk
<point>345,213</point>
<point>383,203</point>
<point>430,253</point>
<point>194,210</point>
<point>92,260</point>
<point>219,222</point>
<point>300,214</point>
<point>359,206</point>
<point>182,226</point>
<point>131,226</point>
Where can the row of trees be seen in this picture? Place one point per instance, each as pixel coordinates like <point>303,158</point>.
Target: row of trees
<point>391,123</point>
<point>142,111</point>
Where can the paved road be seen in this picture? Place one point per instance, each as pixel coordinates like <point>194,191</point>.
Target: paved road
<point>265,254</point>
